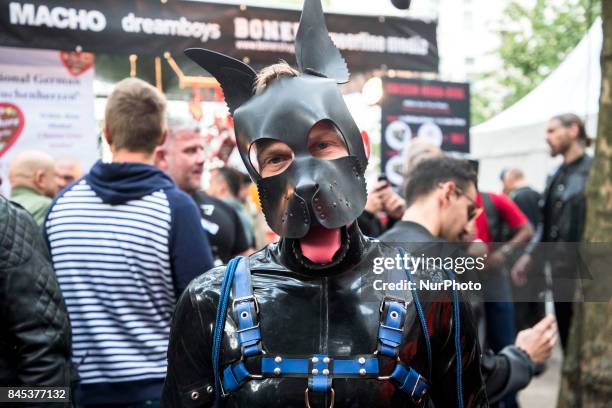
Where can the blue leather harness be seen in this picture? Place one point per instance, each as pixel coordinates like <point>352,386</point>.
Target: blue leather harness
<point>318,369</point>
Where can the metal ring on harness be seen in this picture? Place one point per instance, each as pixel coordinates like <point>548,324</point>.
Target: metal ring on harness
<point>385,377</point>
<point>333,398</point>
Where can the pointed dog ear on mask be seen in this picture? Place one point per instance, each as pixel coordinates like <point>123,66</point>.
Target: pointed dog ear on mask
<point>236,78</point>
<point>315,52</point>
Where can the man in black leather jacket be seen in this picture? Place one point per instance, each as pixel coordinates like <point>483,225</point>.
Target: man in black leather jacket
<point>564,205</point>
<point>313,330</point>
<point>35,346</point>
<point>563,208</point>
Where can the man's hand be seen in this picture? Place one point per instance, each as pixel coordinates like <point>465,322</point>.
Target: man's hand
<point>392,203</point>
<point>496,260</point>
<point>538,342</point>
<point>374,203</point>
<point>519,270</point>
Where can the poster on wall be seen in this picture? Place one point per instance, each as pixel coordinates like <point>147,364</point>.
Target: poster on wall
<point>412,110</point>
<point>47,104</point>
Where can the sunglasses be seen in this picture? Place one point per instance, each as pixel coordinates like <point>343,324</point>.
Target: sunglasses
<point>473,210</point>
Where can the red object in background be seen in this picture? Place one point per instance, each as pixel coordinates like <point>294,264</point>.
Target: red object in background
<point>455,92</point>
<point>12,122</point>
<point>77,62</point>
<point>195,104</point>
<point>218,94</point>
<point>457,138</point>
<point>509,213</point>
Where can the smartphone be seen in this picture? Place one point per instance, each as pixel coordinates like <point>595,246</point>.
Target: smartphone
<point>383,177</point>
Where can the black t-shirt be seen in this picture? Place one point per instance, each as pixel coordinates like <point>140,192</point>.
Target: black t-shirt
<point>528,200</point>
<point>225,232</point>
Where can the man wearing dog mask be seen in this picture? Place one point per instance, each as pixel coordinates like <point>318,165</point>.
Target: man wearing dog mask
<point>304,325</point>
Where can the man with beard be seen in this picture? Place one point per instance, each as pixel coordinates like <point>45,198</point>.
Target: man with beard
<point>304,324</point>
<point>564,211</point>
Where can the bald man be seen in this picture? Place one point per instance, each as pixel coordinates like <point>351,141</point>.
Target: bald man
<point>33,185</point>
<point>67,171</point>
<point>524,196</point>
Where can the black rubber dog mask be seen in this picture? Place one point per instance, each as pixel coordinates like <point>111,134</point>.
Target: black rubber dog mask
<point>310,191</point>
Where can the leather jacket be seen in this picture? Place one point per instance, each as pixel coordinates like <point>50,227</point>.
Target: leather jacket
<point>35,345</point>
<point>506,372</point>
<point>564,202</point>
<point>305,311</point>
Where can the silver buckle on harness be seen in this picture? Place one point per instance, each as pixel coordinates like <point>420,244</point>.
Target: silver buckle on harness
<point>420,398</point>
<point>246,299</point>
<point>399,330</point>
<point>392,299</point>
<point>331,404</point>
<point>248,328</point>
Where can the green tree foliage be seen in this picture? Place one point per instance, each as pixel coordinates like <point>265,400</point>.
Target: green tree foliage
<point>535,38</point>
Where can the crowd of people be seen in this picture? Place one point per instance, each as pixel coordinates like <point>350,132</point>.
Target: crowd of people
<point>115,285</point>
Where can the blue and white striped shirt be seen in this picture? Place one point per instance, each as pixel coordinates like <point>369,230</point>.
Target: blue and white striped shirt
<point>113,266</point>
<point>118,266</point>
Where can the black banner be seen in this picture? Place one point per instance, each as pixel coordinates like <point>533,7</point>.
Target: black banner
<point>433,111</point>
<point>259,35</point>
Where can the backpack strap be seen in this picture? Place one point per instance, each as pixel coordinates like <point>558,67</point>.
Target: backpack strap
<point>457,318</point>
<point>494,222</point>
<point>421,314</point>
<point>224,293</point>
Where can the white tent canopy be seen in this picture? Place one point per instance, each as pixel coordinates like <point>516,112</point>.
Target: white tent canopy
<point>516,136</point>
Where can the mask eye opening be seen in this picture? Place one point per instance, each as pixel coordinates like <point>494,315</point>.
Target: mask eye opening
<point>270,157</point>
<point>326,141</point>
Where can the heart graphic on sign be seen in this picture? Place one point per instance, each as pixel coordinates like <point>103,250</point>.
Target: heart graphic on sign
<point>11,125</point>
<point>77,62</point>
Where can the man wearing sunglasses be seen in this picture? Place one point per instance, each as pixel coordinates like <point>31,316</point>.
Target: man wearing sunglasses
<point>442,205</point>
<point>441,201</point>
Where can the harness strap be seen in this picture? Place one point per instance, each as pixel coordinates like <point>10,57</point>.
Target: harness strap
<point>391,327</point>
<point>320,370</point>
<point>278,366</point>
<point>234,376</point>
<point>410,382</point>
<point>246,311</point>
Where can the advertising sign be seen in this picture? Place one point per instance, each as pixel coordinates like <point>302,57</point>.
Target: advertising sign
<point>46,103</point>
<point>415,109</point>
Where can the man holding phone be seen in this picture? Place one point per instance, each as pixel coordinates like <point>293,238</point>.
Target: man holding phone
<point>383,208</point>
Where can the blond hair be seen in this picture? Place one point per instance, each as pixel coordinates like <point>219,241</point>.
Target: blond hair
<point>272,72</point>
<point>135,116</point>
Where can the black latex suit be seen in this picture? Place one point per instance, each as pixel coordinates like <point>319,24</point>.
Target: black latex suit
<point>327,311</point>
<point>306,308</point>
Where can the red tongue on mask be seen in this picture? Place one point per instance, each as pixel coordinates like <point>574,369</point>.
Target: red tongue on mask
<point>320,244</point>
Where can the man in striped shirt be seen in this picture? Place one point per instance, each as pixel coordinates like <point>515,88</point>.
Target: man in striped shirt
<point>125,242</point>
